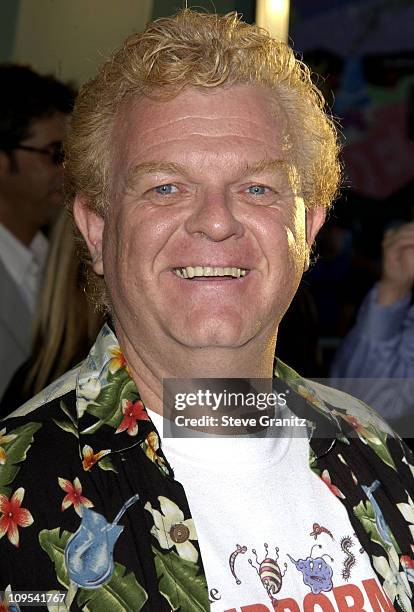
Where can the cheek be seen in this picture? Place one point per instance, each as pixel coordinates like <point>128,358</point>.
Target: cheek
<point>133,241</point>
<point>284,227</point>
<point>125,253</point>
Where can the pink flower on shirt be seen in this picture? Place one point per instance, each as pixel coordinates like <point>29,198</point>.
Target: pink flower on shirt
<point>133,412</point>
<point>327,480</point>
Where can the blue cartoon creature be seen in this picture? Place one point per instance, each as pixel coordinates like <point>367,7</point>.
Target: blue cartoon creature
<point>89,552</point>
<point>316,573</point>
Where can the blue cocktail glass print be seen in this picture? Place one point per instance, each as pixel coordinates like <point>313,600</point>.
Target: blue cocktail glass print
<point>89,552</point>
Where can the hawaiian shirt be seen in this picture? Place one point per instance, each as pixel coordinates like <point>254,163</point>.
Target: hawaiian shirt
<point>90,508</point>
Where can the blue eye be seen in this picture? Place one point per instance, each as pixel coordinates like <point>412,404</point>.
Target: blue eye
<point>166,189</point>
<point>257,190</point>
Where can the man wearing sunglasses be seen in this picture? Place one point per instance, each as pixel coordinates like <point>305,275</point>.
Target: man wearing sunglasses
<point>33,111</point>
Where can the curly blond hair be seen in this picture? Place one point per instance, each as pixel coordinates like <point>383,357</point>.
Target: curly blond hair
<point>192,49</point>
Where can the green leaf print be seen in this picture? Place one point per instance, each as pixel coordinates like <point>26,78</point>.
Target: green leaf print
<point>121,594</point>
<point>108,405</point>
<point>69,425</point>
<point>54,545</point>
<point>16,452</point>
<point>68,413</point>
<point>378,443</point>
<point>179,583</point>
<point>286,373</point>
<point>106,464</point>
<point>365,513</point>
<point>66,426</point>
<point>313,462</point>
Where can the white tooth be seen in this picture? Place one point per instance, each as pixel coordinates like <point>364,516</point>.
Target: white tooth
<point>178,272</point>
<point>208,271</point>
<point>198,271</point>
<point>190,271</point>
<point>238,273</point>
<point>227,271</point>
<point>216,271</point>
<point>184,272</point>
<point>234,272</point>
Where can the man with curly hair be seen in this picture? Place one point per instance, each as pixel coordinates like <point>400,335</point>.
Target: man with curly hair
<point>200,165</point>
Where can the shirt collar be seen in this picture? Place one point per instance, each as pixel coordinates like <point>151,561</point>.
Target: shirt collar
<point>17,258</point>
<point>112,417</point>
<point>39,248</point>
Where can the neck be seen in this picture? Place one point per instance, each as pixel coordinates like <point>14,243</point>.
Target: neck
<point>149,365</point>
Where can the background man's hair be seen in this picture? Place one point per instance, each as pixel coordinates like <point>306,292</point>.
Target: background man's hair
<point>205,51</point>
<point>25,97</point>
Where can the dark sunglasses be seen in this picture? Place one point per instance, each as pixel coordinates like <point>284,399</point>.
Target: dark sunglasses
<point>54,150</point>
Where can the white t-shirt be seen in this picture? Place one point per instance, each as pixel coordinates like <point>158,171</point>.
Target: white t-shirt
<point>272,535</point>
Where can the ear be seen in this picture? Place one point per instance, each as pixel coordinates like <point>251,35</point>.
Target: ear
<point>91,226</point>
<point>315,218</point>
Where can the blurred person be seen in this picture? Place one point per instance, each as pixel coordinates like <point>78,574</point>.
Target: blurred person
<point>381,344</point>
<point>66,323</point>
<point>33,112</point>
<point>200,165</point>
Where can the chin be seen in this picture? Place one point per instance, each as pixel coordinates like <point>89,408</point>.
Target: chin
<point>226,332</point>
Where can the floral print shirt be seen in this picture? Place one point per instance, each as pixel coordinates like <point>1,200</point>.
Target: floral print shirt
<point>89,505</point>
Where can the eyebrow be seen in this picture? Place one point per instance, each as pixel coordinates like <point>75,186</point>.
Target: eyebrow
<point>139,170</point>
<point>265,165</point>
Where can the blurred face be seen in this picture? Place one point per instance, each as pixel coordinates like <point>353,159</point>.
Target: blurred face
<point>33,186</point>
<point>205,240</point>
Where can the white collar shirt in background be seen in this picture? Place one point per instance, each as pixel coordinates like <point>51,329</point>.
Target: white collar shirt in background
<point>25,265</point>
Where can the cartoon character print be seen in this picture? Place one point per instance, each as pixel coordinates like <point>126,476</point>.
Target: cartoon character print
<point>318,529</point>
<point>316,573</point>
<point>269,573</point>
<point>240,550</point>
<point>350,559</point>
<point>89,552</point>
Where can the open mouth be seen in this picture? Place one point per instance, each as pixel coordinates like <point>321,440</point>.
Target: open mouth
<point>195,272</point>
<point>317,578</point>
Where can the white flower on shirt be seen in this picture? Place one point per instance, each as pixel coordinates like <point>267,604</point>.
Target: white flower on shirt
<point>395,584</point>
<point>407,510</point>
<point>88,390</point>
<point>171,529</point>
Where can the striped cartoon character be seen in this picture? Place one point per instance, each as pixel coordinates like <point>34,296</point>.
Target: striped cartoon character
<point>269,573</point>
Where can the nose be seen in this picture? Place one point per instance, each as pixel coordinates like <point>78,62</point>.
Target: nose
<point>214,218</point>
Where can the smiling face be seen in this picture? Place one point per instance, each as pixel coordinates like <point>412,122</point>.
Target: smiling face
<point>205,240</point>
